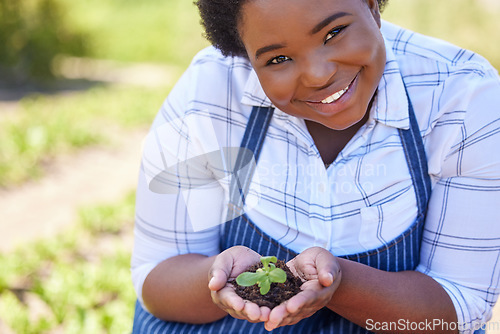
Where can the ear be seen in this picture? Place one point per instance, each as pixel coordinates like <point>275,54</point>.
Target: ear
<point>375,10</point>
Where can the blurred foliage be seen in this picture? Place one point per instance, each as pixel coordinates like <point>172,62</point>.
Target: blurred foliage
<point>140,31</point>
<point>470,24</point>
<point>46,126</point>
<point>32,33</point>
<point>101,219</point>
<point>78,282</point>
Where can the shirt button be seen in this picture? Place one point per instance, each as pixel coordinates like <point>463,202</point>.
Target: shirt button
<point>321,187</point>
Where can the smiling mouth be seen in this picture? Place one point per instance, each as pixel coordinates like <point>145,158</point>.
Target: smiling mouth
<point>337,95</point>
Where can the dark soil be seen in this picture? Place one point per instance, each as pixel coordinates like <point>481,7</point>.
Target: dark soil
<point>278,293</point>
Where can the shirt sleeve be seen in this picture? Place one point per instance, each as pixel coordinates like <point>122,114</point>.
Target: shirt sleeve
<point>461,241</point>
<point>179,203</point>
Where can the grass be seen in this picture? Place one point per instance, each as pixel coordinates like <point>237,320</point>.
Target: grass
<point>47,126</point>
<point>138,31</point>
<point>128,31</point>
<point>78,282</point>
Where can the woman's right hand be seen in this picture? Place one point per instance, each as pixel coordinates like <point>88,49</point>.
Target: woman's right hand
<point>227,266</point>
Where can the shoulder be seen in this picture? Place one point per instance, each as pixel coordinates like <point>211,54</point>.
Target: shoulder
<point>211,63</point>
<point>418,54</point>
<point>210,80</point>
<point>455,93</point>
<point>443,78</point>
<point>206,100</point>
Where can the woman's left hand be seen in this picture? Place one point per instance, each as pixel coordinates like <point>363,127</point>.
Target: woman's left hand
<point>320,271</point>
<point>227,266</point>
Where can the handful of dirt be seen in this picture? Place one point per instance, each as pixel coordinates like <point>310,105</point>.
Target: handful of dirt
<point>278,293</point>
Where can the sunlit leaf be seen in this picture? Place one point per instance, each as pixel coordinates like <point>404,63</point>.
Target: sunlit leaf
<point>268,259</point>
<point>277,275</point>
<point>247,279</point>
<point>265,285</point>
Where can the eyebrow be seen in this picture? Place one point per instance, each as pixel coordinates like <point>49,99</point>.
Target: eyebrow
<point>314,30</point>
<point>327,21</point>
<point>268,48</point>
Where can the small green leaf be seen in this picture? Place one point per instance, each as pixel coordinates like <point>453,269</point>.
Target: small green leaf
<point>264,285</point>
<point>268,259</point>
<point>277,275</point>
<point>263,277</point>
<point>247,279</point>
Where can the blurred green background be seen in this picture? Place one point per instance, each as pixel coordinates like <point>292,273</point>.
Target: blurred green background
<point>64,84</point>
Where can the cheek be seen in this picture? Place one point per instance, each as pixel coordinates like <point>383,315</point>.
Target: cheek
<point>365,52</point>
<point>279,88</point>
<point>372,45</point>
<point>365,48</point>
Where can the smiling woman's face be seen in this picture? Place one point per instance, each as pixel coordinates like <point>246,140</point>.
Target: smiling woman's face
<point>320,60</point>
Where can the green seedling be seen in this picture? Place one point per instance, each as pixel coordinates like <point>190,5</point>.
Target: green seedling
<point>264,276</point>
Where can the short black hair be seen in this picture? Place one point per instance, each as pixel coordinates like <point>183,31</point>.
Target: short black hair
<point>220,19</point>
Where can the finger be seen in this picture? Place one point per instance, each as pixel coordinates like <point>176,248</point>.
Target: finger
<point>264,313</point>
<point>292,267</point>
<point>276,317</point>
<point>236,315</point>
<point>218,280</point>
<point>326,278</point>
<point>252,311</point>
<point>269,326</point>
<point>228,299</point>
<point>327,268</point>
<point>298,302</point>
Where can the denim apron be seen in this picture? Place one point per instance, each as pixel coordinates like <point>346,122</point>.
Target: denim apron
<point>400,254</point>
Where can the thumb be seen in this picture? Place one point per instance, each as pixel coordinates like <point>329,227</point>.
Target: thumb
<point>328,270</point>
<point>219,273</point>
<point>326,279</point>
<point>218,280</point>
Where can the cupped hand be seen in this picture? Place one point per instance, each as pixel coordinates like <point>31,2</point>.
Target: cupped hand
<point>321,275</point>
<point>227,266</point>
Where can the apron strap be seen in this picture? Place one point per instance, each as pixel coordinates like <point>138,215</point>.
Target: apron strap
<point>248,155</point>
<point>415,158</point>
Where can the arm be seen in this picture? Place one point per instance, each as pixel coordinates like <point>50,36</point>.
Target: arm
<point>369,297</point>
<point>177,286</point>
<point>181,284</point>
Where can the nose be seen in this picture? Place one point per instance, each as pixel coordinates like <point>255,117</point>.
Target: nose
<point>317,71</point>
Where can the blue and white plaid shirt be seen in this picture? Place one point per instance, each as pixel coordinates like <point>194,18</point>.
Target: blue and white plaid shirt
<point>361,201</point>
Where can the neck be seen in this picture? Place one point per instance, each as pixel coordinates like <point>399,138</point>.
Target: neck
<point>331,142</point>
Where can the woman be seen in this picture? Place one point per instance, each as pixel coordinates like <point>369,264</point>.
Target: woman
<point>360,152</point>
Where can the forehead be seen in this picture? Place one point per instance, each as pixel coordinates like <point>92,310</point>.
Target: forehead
<point>279,21</point>
<point>277,15</point>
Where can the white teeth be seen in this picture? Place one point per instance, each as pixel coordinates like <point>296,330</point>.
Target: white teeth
<point>335,96</point>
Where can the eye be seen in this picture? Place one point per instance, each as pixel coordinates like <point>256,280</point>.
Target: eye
<point>334,32</point>
<point>278,60</point>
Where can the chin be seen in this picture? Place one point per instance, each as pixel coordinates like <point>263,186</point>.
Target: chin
<point>342,125</point>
